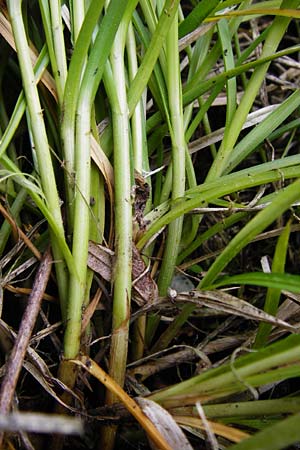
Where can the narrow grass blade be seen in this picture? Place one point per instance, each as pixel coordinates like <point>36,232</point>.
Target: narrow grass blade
<point>262,131</point>
<point>230,378</point>
<point>215,190</point>
<point>196,16</point>
<point>264,218</point>
<point>273,295</point>
<point>141,79</point>
<point>276,33</point>
<point>275,437</point>
<point>281,281</point>
<point>229,64</point>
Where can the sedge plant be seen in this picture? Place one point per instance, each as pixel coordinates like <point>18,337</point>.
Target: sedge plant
<point>165,135</point>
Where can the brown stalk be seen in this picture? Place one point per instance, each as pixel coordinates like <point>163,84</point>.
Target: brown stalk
<point>16,358</point>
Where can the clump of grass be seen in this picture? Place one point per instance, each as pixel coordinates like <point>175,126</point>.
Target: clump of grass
<point>162,135</point>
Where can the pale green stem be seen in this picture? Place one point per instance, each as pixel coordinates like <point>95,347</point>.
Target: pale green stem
<point>178,155</point>
<point>123,212</point>
<point>77,8</point>
<point>59,47</point>
<point>70,101</point>
<point>47,26</point>
<point>40,140</point>
<point>123,224</point>
<point>141,164</point>
<point>178,160</point>
<point>90,83</point>
<point>138,117</point>
<point>81,227</point>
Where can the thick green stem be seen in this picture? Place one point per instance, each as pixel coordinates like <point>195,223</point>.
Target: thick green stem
<point>59,47</point>
<point>77,8</point>
<point>178,160</point>
<point>40,140</point>
<point>123,213</point>
<point>90,83</point>
<point>70,101</point>
<point>81,228</point>
<point>178,156</point>
<point>116,83</point>
<point>140,162</point>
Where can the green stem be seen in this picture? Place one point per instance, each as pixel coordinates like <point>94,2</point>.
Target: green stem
<point>46,18</point>
<point>70,101</point>
<point>59,47</point>
<point>81,228</point>
<point>140,162</point>
<point>77,8</point>
<point>90,83</point>
<point>178,155</point>
<point>178,161</point>
<point>40,140</point>
<point>123,207</point>
<point>116,83</point>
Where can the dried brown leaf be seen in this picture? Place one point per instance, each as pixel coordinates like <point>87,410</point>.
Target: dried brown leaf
<point>165,424</point>
<point>141,192</point>
<point>100,259</point>
<point>223,302</point>
<point>143,283</point>
<point>47,383</point>
<point>104,165</point>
